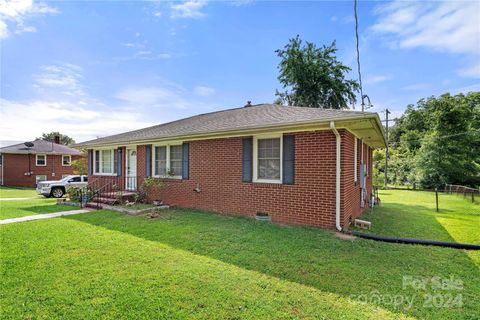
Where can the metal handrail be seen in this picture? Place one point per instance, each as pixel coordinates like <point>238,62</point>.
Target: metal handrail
<point>108,186</point>
<point>102,189</point>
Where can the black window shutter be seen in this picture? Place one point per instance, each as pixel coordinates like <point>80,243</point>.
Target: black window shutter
<point>118,154</point>
<point>148,160</point>
<point>247,155</point>
<point>185,156</point>
<point>90,162</point>
<point>289,159</point>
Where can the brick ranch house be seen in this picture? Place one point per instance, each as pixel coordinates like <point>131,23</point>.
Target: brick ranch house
<point>23,166</point>
<point>299,165</point>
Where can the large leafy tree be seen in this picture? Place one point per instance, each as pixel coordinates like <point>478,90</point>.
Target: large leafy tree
<point>80,166</point>
<point>448,152</point>
<point>437,141</point>
<point>64,139</point>
<point>314,77</point>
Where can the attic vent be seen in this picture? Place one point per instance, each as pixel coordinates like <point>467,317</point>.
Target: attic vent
<point>249,104</point>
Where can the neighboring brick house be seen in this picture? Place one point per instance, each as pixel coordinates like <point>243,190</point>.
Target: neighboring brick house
<point>24,166</point>
<point>265,158</point>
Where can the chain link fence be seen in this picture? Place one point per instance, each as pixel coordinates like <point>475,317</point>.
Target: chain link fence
<point>469,194</point>
<point>451,198</point>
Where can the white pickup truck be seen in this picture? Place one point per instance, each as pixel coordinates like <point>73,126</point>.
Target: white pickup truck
<point>58,188</point>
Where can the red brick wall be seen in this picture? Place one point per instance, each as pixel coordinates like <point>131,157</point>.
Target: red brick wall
<point>216,168</point>
<point>350,203</point>
<point>15,166</point>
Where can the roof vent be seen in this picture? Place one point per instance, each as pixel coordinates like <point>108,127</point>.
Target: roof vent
<point>29,144</point>
<point>249,104</point>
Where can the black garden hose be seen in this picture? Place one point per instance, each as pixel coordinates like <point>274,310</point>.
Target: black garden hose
<point>456,245</point>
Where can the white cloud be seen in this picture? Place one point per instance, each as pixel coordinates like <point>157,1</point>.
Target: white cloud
<point>63,76</point>
<point>373,79</point>
<point>3,29</point>
<point>27,120</point>
<point>239,3</point>
<point>143,53</point>
<point>84,117</point>
<point>451,27</point>
<point>129,45</point>
<point>188,9</point>
<point>22,29</point>
<point>203,91</point>
<point>149,55</point>
<point>333,18</point>
<point>15,13</point>
<point>166,95</point>
<point>417,87</point>
<point>74,112</point>
<point>466,89</point>
<point>472,69</point>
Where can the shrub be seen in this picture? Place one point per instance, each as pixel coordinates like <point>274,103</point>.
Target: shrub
<point>75,194</point>
<point>148,185</point>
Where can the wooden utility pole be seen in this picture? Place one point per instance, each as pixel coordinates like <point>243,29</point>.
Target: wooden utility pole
<point>386,149</point>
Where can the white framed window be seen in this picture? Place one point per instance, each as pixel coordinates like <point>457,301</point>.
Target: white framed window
<point>167,161</point>
<point>41,160</point>
<point>66,160</point>
<point>160,162</point>
<point>175,161</point>
<point>267,159</point>
<point>105,162</point>
<point>40,177</point>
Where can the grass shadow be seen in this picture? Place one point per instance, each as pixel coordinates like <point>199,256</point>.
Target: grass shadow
<point>308,256</point>
<point>48,208</point>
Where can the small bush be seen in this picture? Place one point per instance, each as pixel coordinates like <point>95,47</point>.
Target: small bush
<point>148,185</point>
<point>75,194</point>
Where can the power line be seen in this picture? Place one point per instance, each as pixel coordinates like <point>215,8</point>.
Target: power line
<point>358,55</point>
<point>395,119</point>
<point>434,138</point>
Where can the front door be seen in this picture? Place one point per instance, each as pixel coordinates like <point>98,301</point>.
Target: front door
<point>131,172</point>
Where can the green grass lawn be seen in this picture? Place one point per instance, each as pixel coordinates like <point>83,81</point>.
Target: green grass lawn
<point>11,192</point>
<point>21,208</point>
<point>137,206</point>
<point>412,214</point>
<point>196,265</point>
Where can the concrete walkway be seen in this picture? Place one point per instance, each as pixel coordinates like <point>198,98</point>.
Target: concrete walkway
<point>44,216</point>
<point>31,198</point>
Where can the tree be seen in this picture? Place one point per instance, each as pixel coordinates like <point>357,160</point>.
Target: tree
<point>314,77</point>
<point>80,166</point>
<point>64,139</point>
<point>448,151</point>
<point>437,141</point>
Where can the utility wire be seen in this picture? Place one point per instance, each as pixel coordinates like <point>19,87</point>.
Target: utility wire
<point>395,119</point>
<point>358,55</point>
<point>434,138</point>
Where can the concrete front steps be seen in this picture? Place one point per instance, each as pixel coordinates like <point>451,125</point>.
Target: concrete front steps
<point>110,199</point>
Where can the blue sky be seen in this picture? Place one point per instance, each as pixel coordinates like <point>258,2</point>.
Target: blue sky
<point>92,69</point>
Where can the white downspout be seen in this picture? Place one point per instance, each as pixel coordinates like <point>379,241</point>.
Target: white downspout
<point>337,177</point>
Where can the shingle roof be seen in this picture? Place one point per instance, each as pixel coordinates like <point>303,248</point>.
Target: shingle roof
<point>245,118</point>
<point>40,146</point>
